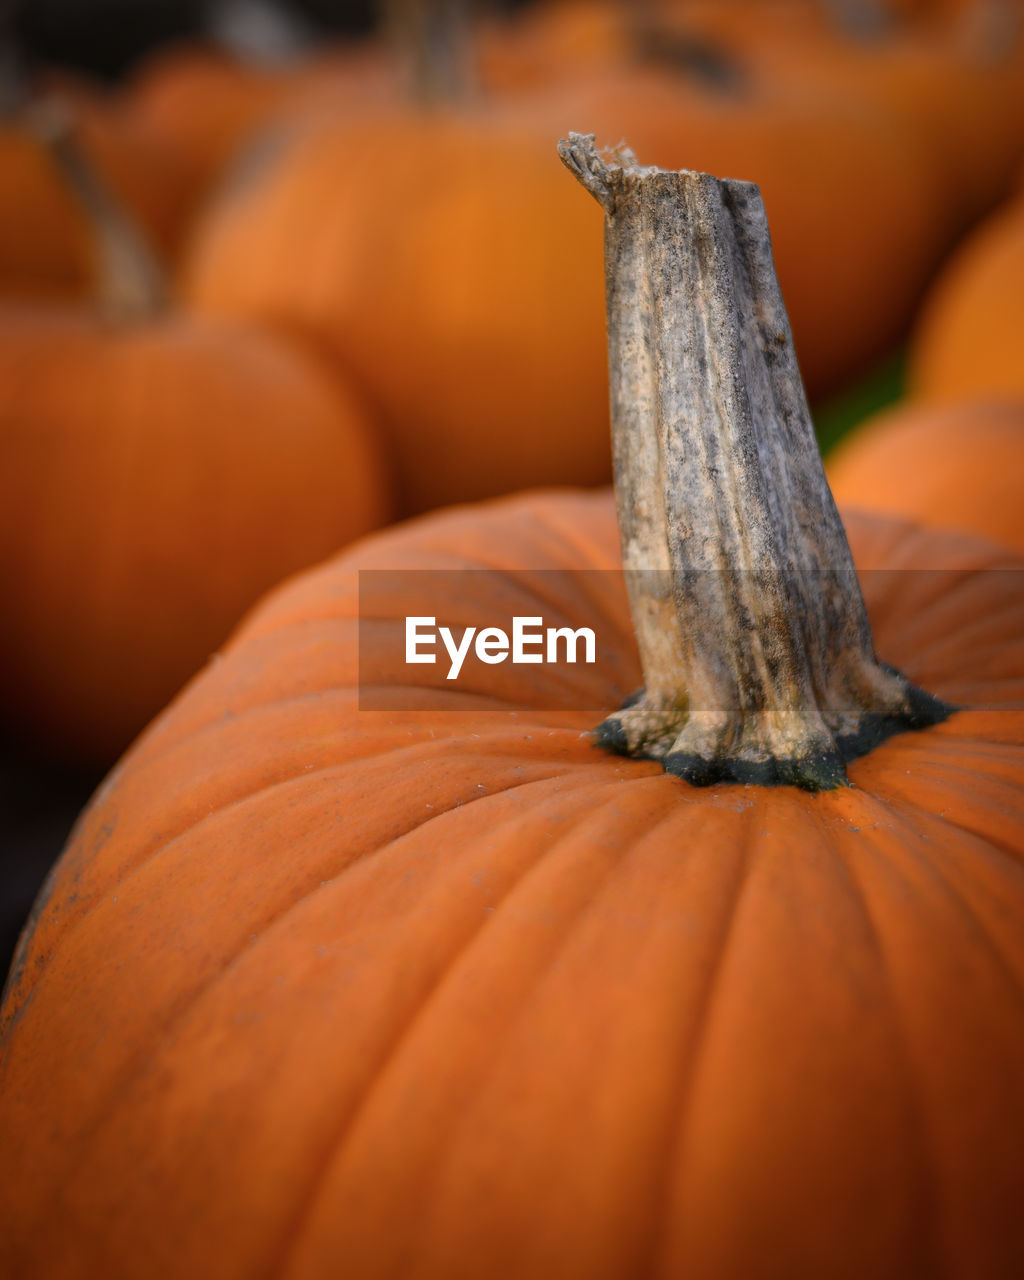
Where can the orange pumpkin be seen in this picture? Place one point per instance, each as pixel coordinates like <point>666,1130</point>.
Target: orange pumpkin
<point>488,369</point>
<point>950,73</point>
<point>442,989</point>
<point>157,478</point>
<point>309,977</point>
<point>204,106</point>
<point>160,471</point>
<point>967,341</point>
<point>832,169</point>
<point>964,104</point>
<point>45,239</point>
<point>954,466</point>
<point>538,43</point>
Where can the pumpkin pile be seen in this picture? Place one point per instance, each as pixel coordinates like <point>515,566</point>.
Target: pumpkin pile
<point>701,957</point>
<point>460,986</point>
<point>951,455</point>
<point>167,469</point>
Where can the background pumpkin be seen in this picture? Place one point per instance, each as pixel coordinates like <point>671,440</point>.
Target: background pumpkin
<point>488,369</point>
<point>953,79</point>
<point>46,244</point>
<point>158,478</point>
<point>163,470</point>
<point>954,466</point>
<point>308,977</point>
<point>968,335</point>
<point>833,169</point>
<point>204,105</point>
<point>333,970</point>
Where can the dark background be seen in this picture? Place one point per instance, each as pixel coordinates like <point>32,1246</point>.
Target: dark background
<point>106,37</point>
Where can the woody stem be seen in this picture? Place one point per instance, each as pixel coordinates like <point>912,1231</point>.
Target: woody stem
<point>130,284</point>
<point>754,641</point>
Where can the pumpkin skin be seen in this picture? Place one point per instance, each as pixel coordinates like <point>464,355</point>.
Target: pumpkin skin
<point>955,84</point>
<point>204,106</point>
<point>929,72</point>
<point>46,244</point>
<point>473,382</point>
<point>317,991</point>
<point>955,466</point>
<point>158,477</point>
<point>967,339</point>
<point>830,168</point>
<point>495,378</point>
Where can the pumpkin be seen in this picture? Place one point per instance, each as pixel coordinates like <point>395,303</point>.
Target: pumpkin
<point>953,79</point>
<point>823,161</point>
<point>967,338</point>
<point>444,989</point>
<point>487,369</point>
<point>954,466</point>
<point>160,471</point>
<point>205,106</point>
<point>963,101</point>
<point>45,240</point>
<point>494,377</point>
<point>529,47</point>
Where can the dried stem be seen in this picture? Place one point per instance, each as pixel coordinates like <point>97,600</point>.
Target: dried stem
<point>130,284</point>
<point>265,32</point>
<point>989,32</point>
<point>864,20</point>
<point>755,646</point>
<point>433,38</point>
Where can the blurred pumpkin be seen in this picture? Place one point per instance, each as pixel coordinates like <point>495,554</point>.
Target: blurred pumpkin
<point>955,78</point>
<point>448,279</point>
<point>45,240</point>
<point>833,172</point>
<point>160,470</point>
<point>969,336</point>
<point>954,466</point>
<point>309,976</point>
<point>389,238</point>
<point>443,990</point>
<point>204,105</point>
<point>536,44</point>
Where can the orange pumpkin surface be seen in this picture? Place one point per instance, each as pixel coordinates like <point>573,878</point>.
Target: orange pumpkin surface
<point>318,991</point>
<point>46,243</point>
<point>204,106</point>
<point>955,80</point>
<point>157,477</point>
<point>454,281</point>
<point>956,466</point>
<point>969,337</point>
<point>450,281</point>
<point>833,171</point>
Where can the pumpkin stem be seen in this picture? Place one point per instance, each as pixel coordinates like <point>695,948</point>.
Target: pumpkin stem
<point>258,32</point>
<point>690,53</point>
<point>988,31</point>
<point>863,20</point>
<point>753,637</point>
<point>130,283</point>
<point>433,38</point>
